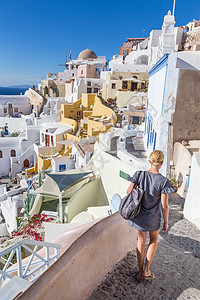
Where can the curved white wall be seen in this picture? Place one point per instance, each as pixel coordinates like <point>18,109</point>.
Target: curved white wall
<point>87,260</point>
<point>192,203</point>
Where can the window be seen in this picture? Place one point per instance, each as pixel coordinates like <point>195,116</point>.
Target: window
<point>89,83</point>
<point>113,87</point>
<point>52,140</point>
<point>26,163</point>
<point>1,154</point>
<point>42,137</point>
<point>136,120</point>
<point>13,153</point>
<point>95,90</point>
<point>81,72</point>
<point>5,110</point>
<point>10,105</point>
<point>78,113</point>
<point>62,168</point>
<point>124,84</point>
<point>125,52</point>
<point>89,90</point>
<point>133,86</point>
<point>55,91</point>
<point>15,109</point>
<point>46,90</point>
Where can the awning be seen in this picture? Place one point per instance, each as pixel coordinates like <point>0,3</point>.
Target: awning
<point>64,180</point>
<point>55,183</point>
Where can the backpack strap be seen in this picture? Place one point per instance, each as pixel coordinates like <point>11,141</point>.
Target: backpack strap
<point>136,183</point>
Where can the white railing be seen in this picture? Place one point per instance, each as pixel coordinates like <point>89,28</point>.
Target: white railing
<point>31,267</point>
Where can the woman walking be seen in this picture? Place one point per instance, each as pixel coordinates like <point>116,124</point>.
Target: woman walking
<point>155,199</point>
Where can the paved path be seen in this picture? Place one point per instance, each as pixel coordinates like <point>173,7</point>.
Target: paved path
<point>176,266</point>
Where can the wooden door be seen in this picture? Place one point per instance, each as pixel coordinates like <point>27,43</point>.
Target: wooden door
<point>26,163</point>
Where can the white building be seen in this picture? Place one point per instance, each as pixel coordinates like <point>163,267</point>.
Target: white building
<point>53,105</point>
<point>87,56</point>
<point>173,109</point>
<point>14,124</point>
<point>127,144</point>
<point>17,154</point>
<point>9,147</point>
<point>69,85</point>
<point>62,163</point>
<point>192,26</point>
<point>149,51</point>
<point>14,105</point>
<point>83,85</point>
<point>82,152</point>
<point>51,133</point>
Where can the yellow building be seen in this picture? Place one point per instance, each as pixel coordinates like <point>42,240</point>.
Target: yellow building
<point>86,117</point>
<point>92,116</point>
<point>121,84</point>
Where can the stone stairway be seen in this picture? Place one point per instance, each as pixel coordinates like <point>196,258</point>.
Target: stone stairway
<point>175,265</point>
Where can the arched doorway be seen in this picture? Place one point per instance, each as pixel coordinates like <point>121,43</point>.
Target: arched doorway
<point>51,91</point>
<point>26,163</point>
<point>45,92</point>
<point>13,153</point>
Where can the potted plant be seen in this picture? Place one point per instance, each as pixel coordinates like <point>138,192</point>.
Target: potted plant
<point>174,181</point>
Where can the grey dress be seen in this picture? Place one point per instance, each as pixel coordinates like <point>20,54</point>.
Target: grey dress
<point>149,217</point>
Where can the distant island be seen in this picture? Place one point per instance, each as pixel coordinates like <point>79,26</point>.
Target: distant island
<point>25,86</point>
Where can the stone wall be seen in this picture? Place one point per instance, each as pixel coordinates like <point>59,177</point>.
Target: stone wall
<point>192,41</point>
<point>186,121</point>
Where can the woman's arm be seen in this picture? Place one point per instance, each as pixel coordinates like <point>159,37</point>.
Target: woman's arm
<point>165,210</point>
<point>130,188</point>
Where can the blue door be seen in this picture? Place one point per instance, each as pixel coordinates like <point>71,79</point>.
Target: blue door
<point>62,168</point>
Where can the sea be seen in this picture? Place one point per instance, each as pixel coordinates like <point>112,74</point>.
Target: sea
<point>12,91</point>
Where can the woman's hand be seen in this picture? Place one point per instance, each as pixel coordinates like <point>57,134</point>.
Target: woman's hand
<point>165,226</point>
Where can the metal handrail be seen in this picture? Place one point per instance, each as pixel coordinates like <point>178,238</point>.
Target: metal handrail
<point>32,268</point>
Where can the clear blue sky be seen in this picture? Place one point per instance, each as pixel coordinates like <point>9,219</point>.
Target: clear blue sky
<point>34,35</point>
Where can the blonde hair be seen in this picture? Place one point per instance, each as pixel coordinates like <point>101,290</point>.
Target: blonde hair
<point>156,157</point>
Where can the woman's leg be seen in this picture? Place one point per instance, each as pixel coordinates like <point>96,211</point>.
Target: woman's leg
<point>151,250</point>
<point>141,235</point>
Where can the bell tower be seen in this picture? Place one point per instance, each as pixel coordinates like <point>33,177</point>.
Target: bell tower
<point>166,40</point>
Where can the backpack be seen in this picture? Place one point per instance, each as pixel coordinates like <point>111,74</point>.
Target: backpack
<point>130,205</point>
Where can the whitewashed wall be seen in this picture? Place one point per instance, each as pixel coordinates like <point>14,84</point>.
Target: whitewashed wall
<point>163,84</point>
<point>9,211</point>
<point>105,138</point>
<point>33,133</point>
<point>6,145</point>
<point>79,160</point>
<point>14,124</point>
<point>109,168</point>
<point>57,161</point>
<point>192,204</point>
